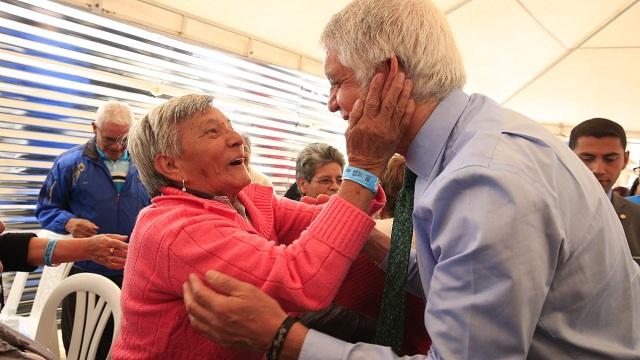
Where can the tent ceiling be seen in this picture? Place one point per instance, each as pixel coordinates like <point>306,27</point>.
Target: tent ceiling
<point>557,61</point>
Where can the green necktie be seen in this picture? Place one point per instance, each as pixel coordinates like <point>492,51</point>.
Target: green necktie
<point>391,320</point>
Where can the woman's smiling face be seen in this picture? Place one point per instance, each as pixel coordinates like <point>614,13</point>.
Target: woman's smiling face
<point>211,156</point>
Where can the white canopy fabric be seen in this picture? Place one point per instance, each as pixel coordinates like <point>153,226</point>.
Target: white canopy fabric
<point>557,61</point>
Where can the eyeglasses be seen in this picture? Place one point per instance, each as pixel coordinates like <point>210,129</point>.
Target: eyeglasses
<point>637,170</point>
<point>327,181</point>
<point>108,141</point>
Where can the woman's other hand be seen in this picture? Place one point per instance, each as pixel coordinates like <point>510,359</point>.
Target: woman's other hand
<point>377,246</point>
<point>108,250</point>
<point>321,199</point>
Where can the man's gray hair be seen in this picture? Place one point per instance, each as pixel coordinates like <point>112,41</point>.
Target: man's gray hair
<point>367,32</point>
<point>158,134</point>
<point>114,112</point>
<point>316,155</point>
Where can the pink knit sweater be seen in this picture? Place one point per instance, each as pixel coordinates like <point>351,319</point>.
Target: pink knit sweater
<point>181,234</point>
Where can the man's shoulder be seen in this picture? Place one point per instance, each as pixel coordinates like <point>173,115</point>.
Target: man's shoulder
<point>620,203</point>
<point>70,156</point>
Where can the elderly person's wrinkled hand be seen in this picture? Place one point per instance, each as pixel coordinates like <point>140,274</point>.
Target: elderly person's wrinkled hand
<point>108,250</point>
<point>231,312</point>
<point>81,228</point>
<point>377,123</point>
<point>320,199</point>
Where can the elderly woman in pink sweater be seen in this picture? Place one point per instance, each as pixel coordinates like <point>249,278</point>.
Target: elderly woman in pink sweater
<point>206,215</point>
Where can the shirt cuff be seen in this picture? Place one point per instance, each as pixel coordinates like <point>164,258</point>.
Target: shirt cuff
<point>319,346</point>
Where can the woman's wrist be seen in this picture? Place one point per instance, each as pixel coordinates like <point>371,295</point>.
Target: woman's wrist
<point>48,252</point>
<point>71,249</point>
<point>376,169</point>
<point>293,343</point>
<point>361,176</point>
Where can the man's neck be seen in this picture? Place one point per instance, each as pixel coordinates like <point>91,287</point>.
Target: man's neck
<point>420,116</point>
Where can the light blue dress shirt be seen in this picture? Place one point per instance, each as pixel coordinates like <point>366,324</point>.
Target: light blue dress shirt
<point>519,253</point>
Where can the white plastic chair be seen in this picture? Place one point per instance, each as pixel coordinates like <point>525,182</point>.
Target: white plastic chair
<point>97,298</point>
<point>50,278</point>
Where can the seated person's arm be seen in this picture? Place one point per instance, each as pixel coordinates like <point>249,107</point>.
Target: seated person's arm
<point>97,248</point>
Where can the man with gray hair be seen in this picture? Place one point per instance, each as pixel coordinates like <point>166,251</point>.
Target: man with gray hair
<point>518,253</point>
<point>94,188</point>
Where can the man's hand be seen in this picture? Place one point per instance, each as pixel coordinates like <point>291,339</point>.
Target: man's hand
<point>81,227</point>
<point>377,123</point>
<point>231,312</point>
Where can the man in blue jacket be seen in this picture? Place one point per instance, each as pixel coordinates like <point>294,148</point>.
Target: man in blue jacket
<point>94,188</point>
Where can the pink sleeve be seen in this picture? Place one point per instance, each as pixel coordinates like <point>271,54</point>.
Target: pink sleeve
<point>292,217</point>
<point>302,276</point>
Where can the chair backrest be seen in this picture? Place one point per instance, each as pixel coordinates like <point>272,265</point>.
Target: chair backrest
<point>97,298</point>
<point>51,277</point>
<point>17,288</point>
<point>15,295</point>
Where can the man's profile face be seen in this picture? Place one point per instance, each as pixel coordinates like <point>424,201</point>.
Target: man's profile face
<point>344,86</point>
<point>111,138</point>
<point>604,156</point>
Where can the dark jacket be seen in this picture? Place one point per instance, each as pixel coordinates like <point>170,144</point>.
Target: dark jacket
<point>629,215</point>
<point>293,193</point>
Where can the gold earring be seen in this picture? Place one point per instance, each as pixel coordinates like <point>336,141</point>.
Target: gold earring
<point>184,188</point>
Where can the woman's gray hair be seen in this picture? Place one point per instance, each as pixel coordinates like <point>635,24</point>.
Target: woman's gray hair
<point>316,155</point>
<point>158,133</point>
<point>367,32</point>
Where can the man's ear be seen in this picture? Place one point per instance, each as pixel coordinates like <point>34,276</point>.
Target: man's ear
<point>390,69</point>
<point>394,66</point>
<point>94,127</point>
<point>302,185</point>
<point>626,158</point>
<point>168,167</point>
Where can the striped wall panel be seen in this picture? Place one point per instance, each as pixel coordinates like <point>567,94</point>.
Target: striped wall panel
<point>58,64</point>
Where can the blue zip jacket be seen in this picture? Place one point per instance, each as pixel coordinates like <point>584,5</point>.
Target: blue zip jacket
<point>79,185</point>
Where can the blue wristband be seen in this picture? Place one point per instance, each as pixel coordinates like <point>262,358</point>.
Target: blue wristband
<point>48,252</point>
<point>362,177</point>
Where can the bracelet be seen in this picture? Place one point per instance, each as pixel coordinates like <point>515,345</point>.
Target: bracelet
<point>362,177</point>
<point>281,336</point>
<point>48,252</point>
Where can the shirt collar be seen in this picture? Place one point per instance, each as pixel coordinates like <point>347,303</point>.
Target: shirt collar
<point>427,146</point>
<point>103,156</point>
